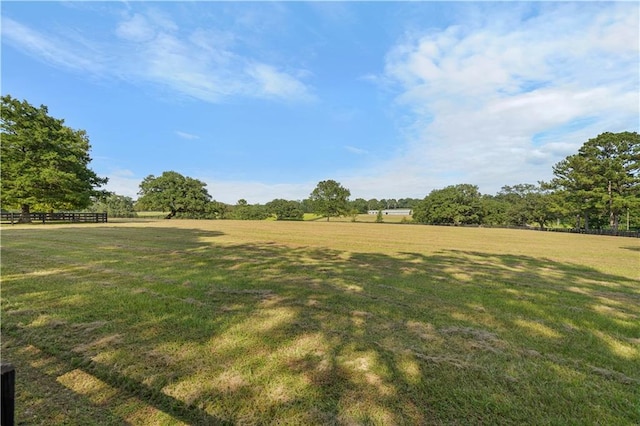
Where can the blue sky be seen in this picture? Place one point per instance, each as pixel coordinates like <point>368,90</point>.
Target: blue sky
<point>262,100</point>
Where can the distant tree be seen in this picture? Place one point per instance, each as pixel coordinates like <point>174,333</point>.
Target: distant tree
<point>527,203</point>
<point>173,192</point>
<point>218,210</point>
<point>602,179</point>
<point>391,203</point>
<point>249,212</point>
<point>379,218</point>
<point>359,205</point>
<point>306,205</point>
<point>408,203</point>
<point>44,164</point>
<point>285,210</point>
<point>114,205</point>
<point>330,199</point>
<point>494,210</point>
<point>453,205</point>
<point>374,204</point>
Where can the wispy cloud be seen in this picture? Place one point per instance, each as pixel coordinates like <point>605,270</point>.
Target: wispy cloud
<point>187,136</point>
<point>148,47</point>
<point>56,50</point>
<point>355,150</point>
<point>478,95</point>
<point>123,182</point>
<point>257,192</point>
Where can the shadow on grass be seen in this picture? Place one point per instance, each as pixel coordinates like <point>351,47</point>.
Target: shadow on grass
<point>212,333</point>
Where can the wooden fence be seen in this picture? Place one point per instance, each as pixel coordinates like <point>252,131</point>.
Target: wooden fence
<point>56,217</point>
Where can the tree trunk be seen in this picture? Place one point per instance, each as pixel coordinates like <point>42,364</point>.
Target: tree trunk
<point>25,214</point>
<point>616,222</point>
<point>613,219</point>
<point>586,221</point>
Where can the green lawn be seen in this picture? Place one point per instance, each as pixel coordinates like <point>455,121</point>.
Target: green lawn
<point>225,322</point>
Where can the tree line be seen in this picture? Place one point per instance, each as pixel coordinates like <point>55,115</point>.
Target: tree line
<point>598,188</point>
<point>183,197</point>
<point>45,166</point>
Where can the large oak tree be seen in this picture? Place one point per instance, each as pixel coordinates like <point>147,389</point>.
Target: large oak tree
<point>330,199</point>
<point>44,163</point>
<point>453,205</point>
<point>173,192</point>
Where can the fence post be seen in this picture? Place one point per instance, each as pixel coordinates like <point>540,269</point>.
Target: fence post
<point>8,395</point>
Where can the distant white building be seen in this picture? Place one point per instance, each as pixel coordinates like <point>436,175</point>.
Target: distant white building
<point>392,212</point>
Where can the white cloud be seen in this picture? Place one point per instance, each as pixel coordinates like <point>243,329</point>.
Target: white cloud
<point>187,136</point>
<point>478,96</point>
<point>204,64</point>
<point>270,82</point>
<point>256,192</point>
<point>56,50</point>
<point>150,48</point>
<point>355,150</point>
<point>123,182</point>
<point>136,29</point>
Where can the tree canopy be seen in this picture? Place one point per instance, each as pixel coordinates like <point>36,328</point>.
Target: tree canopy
<point>285,209</point>
<point>452,205</point>
<point>173,192</point>
<point>330,199</point>
<point>45,164</point>
<point>527,203</point>
<point>114,205</point>
<point>602,180</point>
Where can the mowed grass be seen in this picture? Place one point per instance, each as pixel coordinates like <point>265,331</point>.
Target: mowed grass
<point>237,322</point>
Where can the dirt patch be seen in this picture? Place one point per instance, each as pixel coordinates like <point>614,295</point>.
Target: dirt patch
<point>614,375</point>
<point>425,331</point>
<point>475,338</point>
<point>455,362</point>
<point>88,327</point>
<point>98,344</point>
<point>250,292</point>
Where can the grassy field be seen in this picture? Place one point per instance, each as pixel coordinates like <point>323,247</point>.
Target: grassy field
<point>239,322</point>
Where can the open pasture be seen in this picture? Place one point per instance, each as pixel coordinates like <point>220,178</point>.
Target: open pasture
<point>242,322</point>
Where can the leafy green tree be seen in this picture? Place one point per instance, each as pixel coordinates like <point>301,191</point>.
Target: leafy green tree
<point>602,180</point>
<point>527,203</point>
<point>494,210</point>
<point>44,164</point>
<point>246,211</point>
<point>330,199</point>
<point>374,204</point>
<point>218,210</point>
<point>173,192</point>
<point>453,205</point>
<point>359,205</point>
<point>408,203</point>
<point>114,205</point>
<point>306,205</point>
<point>285,210</point>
